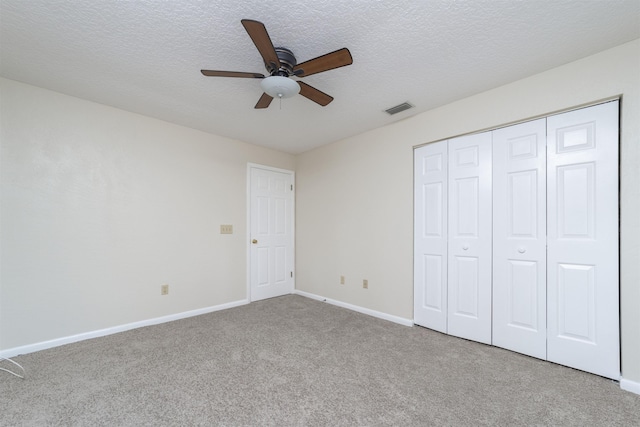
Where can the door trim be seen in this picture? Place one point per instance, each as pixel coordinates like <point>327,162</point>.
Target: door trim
<point>250,167</point>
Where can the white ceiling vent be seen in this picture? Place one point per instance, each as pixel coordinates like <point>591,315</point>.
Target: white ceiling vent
<point>398,108</point>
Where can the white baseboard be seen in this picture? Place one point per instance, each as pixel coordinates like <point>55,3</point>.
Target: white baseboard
<point>374,313</point>
<point>30,348</point>
<point>632,386</point>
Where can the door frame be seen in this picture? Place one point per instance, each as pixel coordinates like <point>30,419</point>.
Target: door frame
<point>250,167</point>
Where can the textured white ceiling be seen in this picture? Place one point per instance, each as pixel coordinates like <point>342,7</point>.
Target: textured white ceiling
<point>145,56</point>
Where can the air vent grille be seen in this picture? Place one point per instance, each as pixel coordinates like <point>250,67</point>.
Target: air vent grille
<point>398,108</point>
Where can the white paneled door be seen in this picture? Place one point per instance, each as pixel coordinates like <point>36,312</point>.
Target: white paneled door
<point>271,232</point>
<point>430,265</point>
<point>582,278</point>
<point>469,243</point>
<point>519,238</point>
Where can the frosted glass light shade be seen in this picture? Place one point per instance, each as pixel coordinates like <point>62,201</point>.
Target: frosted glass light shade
<point>280,87</point>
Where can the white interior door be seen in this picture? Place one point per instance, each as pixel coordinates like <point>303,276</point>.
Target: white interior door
<point>430,240</point>
<point>469,245</point>
<point>583,312</point>
<point>519,238</point>
<point>271,233</point>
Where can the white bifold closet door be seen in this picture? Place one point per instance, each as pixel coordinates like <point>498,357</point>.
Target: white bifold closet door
<point>430,240</point>
<point>469,245</point>
<point>519,238</point>
<point>452,263</point>
<point>516,241</point>
<point>582,237</point>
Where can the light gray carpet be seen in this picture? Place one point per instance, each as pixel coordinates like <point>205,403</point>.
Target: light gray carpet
<point>295,361</point>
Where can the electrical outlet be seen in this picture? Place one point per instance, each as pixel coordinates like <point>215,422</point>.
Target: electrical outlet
<point>342,280</point>
<point>164,290</point>
<point>226,229</point>
<point>365,284</point>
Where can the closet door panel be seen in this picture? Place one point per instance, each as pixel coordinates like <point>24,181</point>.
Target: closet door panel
<point>430,240</point>
<point>469,245</point>
<point>519,238</point>
<point>583,290</point>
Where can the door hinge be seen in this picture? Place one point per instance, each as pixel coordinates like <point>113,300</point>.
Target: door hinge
<point>292,274</point>
<point>291,187</point>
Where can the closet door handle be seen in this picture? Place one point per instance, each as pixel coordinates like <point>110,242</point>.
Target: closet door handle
<point>522,249</point>
<point>465,246</point>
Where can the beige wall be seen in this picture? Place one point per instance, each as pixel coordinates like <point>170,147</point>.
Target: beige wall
<point>99,207</point>
<point>355,201</point>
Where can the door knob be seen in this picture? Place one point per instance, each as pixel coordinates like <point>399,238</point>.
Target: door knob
<point>254,241</point>
<point>465,246</point>
<point>522,249</point>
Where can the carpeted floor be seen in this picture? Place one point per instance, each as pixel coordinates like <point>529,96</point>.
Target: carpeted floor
<point>292,361</point>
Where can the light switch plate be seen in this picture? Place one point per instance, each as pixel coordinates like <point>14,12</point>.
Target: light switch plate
<point>226,229</point>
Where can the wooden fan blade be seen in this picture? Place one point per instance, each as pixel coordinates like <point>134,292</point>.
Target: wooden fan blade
<point>314,94</point>
<point>261,39</point>
<point>214,73</point>
<point>339,58</point>
<point>264,101</point>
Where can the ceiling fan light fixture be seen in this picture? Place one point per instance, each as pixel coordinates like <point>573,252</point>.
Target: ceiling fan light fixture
<point>280,87</point>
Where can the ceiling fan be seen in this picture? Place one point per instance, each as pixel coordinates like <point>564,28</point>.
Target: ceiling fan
<point>281,65</point>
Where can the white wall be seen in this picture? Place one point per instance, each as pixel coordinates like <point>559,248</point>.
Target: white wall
<point>355,200</point>
<point>100,207</point>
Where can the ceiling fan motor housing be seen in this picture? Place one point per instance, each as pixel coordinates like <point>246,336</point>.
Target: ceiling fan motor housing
<point>287,62</point>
